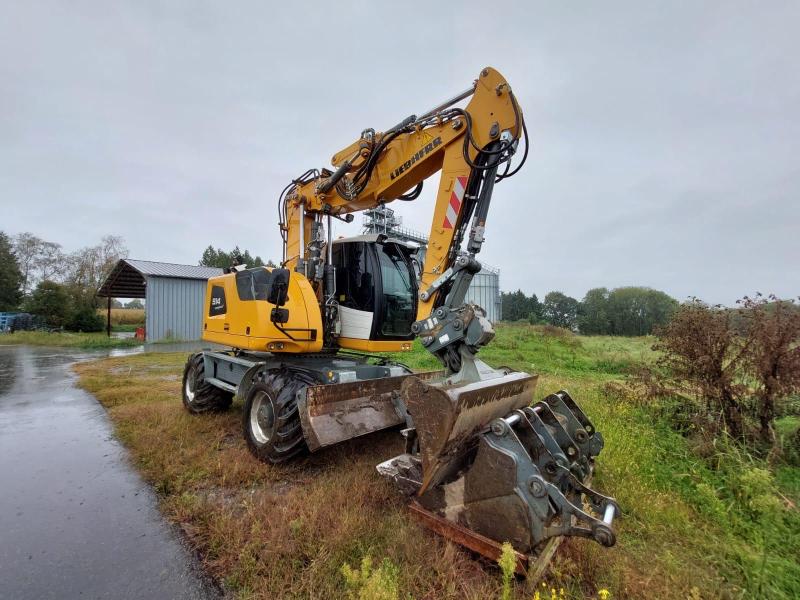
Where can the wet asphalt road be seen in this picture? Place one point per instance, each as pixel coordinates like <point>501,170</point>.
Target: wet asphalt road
<point>75,520</point>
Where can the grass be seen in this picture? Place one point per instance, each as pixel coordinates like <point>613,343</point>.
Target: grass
<point>287,531</point>
<point>66,339</point>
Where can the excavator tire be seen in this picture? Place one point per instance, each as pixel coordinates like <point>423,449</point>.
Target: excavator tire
<point>198,396</point>
<point>271,421</point>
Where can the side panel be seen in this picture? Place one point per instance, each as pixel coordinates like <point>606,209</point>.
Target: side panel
<point>174,308</point>
<point>246,324</point>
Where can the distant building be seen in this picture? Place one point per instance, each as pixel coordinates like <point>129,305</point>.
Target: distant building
<point>485,287</point>
<point>174,295</point>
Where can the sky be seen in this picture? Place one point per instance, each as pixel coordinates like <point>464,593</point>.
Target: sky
<point>665,136</point>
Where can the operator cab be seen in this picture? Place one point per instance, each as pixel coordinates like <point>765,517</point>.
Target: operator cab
<point>376,288</point>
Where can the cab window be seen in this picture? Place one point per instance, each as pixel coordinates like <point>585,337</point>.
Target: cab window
<point>399,287</point>
<point>253,284</point>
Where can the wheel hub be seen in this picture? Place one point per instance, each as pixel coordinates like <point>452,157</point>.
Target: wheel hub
<point>189,387</point>
<point>262,418</point>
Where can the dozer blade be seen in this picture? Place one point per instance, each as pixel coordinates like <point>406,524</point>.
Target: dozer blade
<point>446,419</point>
<point>336,412</point>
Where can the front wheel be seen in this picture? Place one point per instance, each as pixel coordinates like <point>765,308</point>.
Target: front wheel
<point>271,421</point>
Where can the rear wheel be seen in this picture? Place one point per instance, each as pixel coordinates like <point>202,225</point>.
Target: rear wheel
<point>271,420</point>
<point>198,395</point>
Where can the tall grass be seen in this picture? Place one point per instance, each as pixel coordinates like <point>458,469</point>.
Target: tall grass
<point>123,316</point>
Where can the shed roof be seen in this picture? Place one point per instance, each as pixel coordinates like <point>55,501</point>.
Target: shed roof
<point>127,279</point>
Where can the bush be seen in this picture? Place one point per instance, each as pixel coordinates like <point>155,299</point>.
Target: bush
<point>791,448</point>
<point>85,318</point>
<point>51,302</point>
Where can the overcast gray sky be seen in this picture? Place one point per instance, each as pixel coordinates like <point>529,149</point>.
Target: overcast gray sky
<point>665,135</point>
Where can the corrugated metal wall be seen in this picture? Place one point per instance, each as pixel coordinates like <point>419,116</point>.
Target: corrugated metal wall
<point>485,292</point>
<point>174,308</point>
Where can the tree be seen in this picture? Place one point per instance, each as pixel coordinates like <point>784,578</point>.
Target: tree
<point>535,310</point>
<point>700,347</point>
<point>772,354</point>
<point>638,310</point>
<point>50,261</point>
<point>216,257</point>
<point>38,259</point>
<point>89,266</point>
<point>560,310</point>
<point>517,306</point>
<point>11,278</point>
<point>135,303</point>
<point>51,301</point>
<point>26,247</point>
<point>593,313</point>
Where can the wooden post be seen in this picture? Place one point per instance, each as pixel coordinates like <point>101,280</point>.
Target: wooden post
<point>108,318</point>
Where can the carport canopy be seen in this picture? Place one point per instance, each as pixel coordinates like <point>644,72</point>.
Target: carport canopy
<point>124,281</point>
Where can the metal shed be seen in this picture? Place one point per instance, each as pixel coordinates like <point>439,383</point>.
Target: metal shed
<point>174,295</point>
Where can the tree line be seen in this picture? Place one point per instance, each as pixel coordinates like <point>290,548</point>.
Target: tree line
<point>60,288</point>
<point>37,276</point>
<point>216,257</point>
<point>626,311</point>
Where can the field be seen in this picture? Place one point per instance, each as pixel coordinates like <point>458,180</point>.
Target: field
<point>124,319</point>
<point>688,531</point>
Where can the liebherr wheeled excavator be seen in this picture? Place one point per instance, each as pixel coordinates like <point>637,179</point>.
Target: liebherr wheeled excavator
<point>482,462</point>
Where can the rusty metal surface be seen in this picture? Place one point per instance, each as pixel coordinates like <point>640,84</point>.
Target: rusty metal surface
<point>467,538</point>
<point>447,419</point>
<point>333,413</point>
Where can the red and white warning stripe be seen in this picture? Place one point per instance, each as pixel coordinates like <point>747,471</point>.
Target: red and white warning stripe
<point>456,197</point>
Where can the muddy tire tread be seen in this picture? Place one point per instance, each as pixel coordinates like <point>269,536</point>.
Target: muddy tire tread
<point>207,398</point>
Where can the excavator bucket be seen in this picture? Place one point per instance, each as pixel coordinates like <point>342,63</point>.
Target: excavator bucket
<point>446,419</point>
<point>487,467</point>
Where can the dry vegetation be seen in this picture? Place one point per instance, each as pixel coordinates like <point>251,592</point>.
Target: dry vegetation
<point>286,531</point>
<point>124,316</point>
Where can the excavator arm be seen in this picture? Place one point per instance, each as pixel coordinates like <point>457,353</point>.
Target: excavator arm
<point>478,455</point>
<point>473,148</point>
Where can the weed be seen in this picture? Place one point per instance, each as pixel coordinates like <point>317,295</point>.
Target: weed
<point>367,583</point>
<point>508,564</point>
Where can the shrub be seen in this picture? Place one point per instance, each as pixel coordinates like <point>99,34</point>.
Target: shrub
<point>84,318</point>
<point>701,348</point>
<point>772,355</point>
<point>52,302</point>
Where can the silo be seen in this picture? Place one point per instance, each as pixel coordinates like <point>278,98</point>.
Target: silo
<point>485,292</point>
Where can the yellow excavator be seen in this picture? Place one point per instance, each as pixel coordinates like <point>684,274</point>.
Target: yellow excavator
<point>482,462</point>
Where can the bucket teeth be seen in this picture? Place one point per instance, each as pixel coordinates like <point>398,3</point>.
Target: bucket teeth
<point>489,462</point>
